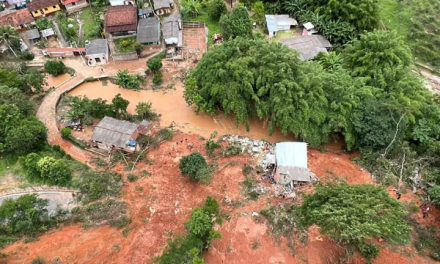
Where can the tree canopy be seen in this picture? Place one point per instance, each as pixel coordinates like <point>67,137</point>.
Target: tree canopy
<point>236,24</point>
<point>54,67</point>
<point>353,214</point>
<point>193,166</point>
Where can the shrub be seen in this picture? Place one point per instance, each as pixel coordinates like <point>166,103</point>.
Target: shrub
<point>434,193</point>
<point>54,67</point>
<point>26,56</point>
<point>211,145</point>
<point>157,78</point>
<point>43,23</point>
<point>38,260</point>
<point>131,177</point>
<point>154,64</point>
<point>216,8</point>
<point>125,43</point>
<point>193,166</point>
<point>53,171</point>
<point>138,47</point>
<point>368,250</point>
<point>99,184</point>
<point>65,132</point>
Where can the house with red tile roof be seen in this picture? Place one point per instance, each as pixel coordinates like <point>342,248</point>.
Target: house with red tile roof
<point>121,20</point>
<point>18,19</point>
<point>41,8</point>
<point>73,6</point>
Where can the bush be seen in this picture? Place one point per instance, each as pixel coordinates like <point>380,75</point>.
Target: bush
<point>99,184</point>
<point>157,78</point>
<point>54,67</point>
<point>368,250</point>
<point>434,194</point>
<point>65,132</point>
<point>38,260</point>
<point>125,43</point>
<point>43,23</point>
<point>53,171</point>
<point>211,145</point>
<point>26,56</point>
<point>138,48</point>
<point>216,8</point>
<point>154,64</point>
<point>193,166</point>
<point>131,177</point>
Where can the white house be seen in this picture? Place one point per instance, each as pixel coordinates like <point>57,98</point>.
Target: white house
<point>277,23</point>
<point>97,52</point>
<point>122,2</point>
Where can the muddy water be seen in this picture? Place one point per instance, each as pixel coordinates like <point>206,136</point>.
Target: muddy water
<point>172,106</point>
<point>55,81</point>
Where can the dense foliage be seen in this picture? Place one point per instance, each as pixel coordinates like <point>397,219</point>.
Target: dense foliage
<point>145,111</point>
<point>128,81</point>
<point>46,170</point>
<point>54,67</point>
<point>24,216</point>
<point>43,23</point>
<point>216,8</point>
<point>188,249</point>
<point>193,166</point>
<point>354,214</point>
<point>23,78</point>
<point>100,184</point>
<point>236,24</point>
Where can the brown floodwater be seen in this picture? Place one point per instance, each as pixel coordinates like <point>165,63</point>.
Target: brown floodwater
<point>55,81</point>
<point>171,104</point>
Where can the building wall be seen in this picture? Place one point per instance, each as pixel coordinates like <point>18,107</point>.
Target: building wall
<point>45,11</point>
<point>163,11</point>
<point>92,62</point>
<point>77,7</point>
<point>121,2</point>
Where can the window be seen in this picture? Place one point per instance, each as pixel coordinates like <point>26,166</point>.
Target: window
<point>35,12</point>
<point>98,60</point>
<point>54,7</point>
<point>46,9</point>
<point>73,4</point>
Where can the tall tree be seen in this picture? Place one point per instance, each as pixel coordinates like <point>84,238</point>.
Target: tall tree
<point>236,24</point>
<point>7,33</point>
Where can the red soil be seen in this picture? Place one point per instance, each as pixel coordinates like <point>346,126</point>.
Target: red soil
<point>162,202</point>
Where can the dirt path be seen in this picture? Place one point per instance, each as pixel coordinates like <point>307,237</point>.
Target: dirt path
<point>46,114</point>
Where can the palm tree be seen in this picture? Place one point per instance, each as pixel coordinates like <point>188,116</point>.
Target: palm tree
<point>6,34</point>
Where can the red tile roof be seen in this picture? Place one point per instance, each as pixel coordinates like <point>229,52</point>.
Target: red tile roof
<point>121,18</point>
<point>65,49</point>
<point>15,17</point>
<point>40,4</point>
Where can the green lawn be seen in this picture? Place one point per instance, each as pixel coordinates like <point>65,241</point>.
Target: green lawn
<point>129,47</point>
<point>92,25</point>
<point>212,25</point>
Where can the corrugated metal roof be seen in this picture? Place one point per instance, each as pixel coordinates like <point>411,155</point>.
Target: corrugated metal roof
<point>47,32</point>
<point>308,46</point>
<point>97,46</point>
<point>291,154</point>
<point>288,174</point>
<point>275,21</point>
<point>32,34</point>
<point>271,23</point>
<point>114,132</point>
<point>148,30</point>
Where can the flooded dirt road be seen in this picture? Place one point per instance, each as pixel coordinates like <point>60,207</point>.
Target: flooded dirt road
<point>171,104</point>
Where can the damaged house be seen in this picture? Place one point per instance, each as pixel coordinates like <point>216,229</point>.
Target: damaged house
<point>291,164</point>
<point>114,134</point>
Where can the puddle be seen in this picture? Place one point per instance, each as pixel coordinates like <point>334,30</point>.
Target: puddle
<point>172,106</point>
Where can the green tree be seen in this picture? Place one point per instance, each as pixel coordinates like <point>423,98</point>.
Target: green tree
<point>190,8</point>
<point>29,135</point>
<point>127,81</point>
<point>259,13</point>
<point>363,14</point>
<point>193,166</point>
<point>200,224</point>
<point>241,77</point>
<point>23,215</point>
<point>13,96</point>
<point>157,78</point>
<point>145,111</point>
<point>54,67</point>
<point>216,8</point>
<point>30,167</point>
<point>434,194</point>
<point>65,132</point>
<point>154,64</point>
<point>119,103</point>
<point>53,171</point>
<point>354,214</point>
<point>236,24</point>
<point>7,34</point>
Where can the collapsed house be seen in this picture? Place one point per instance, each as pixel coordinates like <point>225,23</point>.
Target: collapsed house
<point>113,134</point>
<point>291,164</point>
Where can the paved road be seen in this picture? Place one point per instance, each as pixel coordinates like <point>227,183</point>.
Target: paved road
<point>63,199</point>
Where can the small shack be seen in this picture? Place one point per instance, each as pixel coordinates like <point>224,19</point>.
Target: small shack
<point>277,23</point>
<point>97,52</point>
<point>45,33</point>
<point>113,134</point>
<point>308,46</point>
<point>148,30</point>
<point>291,164</point>
<point>33,35</point>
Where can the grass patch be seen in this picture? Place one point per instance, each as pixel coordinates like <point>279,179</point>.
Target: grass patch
<point>283,35</point>
<point>394,15</point>
<point>212,25</point>
<point>92,25</point>
<point>63,21</point>
<point>125,45</point>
